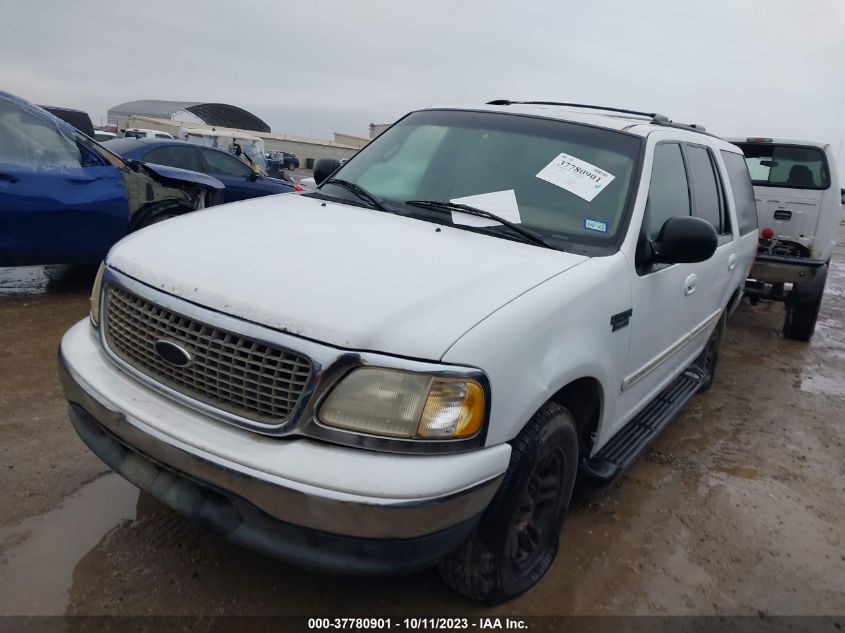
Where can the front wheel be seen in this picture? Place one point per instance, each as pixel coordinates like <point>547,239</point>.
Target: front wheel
<point>516,540</point>
<point>802,307</point>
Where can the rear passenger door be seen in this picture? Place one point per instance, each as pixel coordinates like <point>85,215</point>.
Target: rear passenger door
<point>239,179</point>
<point>745,210</point>
<point>712,279</point>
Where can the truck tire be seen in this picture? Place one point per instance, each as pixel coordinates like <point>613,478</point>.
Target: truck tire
<point>516,540</point>
<point>802,307</point>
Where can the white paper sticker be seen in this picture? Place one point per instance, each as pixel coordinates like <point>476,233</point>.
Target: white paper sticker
<point>502,203</point>
<point>576,176</point>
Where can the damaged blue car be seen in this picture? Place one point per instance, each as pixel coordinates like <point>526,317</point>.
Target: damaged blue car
<point>64,198</point>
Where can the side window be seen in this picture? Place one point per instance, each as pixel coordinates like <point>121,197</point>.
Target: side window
<point>175,156</point>
<point>705,187</point>
<point>225,165</point>
<point>668,194</point>
<point>28,141</point>
<point>743,192</point>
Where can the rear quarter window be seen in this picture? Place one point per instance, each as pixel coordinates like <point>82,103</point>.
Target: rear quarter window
<point>742,190</point>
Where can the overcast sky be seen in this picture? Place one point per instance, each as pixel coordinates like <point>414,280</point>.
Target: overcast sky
<point>745,67</point>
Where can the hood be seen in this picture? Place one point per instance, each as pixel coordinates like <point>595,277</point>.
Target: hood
<point>177,175</point>
<point>351,277</point>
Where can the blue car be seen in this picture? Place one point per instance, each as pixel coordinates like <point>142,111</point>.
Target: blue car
<point>66,199</point>
<point>240,180</point>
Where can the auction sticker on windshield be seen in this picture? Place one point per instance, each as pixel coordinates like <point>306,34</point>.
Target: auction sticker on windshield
<point>576,176</point>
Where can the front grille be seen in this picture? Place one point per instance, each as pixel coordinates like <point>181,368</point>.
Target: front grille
<point>229,371</point>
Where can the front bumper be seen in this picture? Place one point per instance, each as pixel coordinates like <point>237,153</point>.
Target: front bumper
<point>334,508</point>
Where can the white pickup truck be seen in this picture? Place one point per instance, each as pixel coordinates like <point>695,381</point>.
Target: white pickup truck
<point>411,365</point>
<point>796,185</point>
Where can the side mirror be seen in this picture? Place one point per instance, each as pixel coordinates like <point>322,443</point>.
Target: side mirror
<point>323,168</point>
<point>684,240</point>
<point>253,175</point>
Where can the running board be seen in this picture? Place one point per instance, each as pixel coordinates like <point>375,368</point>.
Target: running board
<point>621,451</point>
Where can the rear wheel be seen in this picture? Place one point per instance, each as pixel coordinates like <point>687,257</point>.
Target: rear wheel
<point>516,540</point>
<point>802,307</point>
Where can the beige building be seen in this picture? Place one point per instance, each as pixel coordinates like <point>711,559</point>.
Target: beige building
<point>307,150</point>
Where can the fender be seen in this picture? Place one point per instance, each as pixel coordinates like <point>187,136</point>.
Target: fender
<point>545,339</point>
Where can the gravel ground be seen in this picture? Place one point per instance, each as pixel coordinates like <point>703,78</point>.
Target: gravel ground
<point>738,507</point>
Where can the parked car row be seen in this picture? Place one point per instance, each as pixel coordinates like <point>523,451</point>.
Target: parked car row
<point>66,198</point>
<point>240,180</point>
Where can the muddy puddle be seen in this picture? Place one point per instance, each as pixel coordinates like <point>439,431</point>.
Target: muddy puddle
<point>39,555</point>
<point>38,280</point>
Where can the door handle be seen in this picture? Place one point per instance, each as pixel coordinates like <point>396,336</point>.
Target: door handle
<point>732,262</point>
<point>689,286</point>
<point>8,178</point>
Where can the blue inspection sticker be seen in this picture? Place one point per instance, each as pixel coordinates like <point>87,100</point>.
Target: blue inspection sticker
<point>595,225</point>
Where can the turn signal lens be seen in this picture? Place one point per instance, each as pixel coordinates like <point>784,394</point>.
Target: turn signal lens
<point>394,403</point>
<point>454,408</point>
<point>95,296</point>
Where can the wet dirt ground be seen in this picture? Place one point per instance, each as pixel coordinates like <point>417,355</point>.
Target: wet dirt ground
<point>738,507</point>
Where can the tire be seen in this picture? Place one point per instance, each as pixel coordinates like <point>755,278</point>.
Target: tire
<point>802,307</point>
<point>157,213</point>
<point>516,541</point>
<point>710,356</point>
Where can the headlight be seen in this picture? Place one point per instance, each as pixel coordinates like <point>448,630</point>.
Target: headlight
<point>395,403</point>
<point>95,296</point>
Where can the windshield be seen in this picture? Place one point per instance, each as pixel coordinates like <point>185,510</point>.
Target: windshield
<point>569,182</point>
<point>134,134</point>
<point>793,166</point>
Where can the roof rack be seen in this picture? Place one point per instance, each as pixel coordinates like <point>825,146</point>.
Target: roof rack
<point>690,127</point>
<point>655,118</point>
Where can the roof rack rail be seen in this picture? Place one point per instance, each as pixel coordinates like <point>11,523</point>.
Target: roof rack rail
<point>690,127</point>
<point>654,116</point>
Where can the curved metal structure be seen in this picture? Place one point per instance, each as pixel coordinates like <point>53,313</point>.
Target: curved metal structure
<point>221,114</point>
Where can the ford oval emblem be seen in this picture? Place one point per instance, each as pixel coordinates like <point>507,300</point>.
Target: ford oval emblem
<point>172,353</point>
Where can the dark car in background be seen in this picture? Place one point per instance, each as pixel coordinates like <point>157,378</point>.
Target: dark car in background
<point>279,161</point>
<point>66,199</point>
<point>241,180</point>
<point>77,118</point>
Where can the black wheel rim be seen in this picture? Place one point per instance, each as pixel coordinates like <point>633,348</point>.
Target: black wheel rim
<point>537,512</point>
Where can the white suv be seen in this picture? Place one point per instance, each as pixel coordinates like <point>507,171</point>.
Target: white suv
<point>412,364</point>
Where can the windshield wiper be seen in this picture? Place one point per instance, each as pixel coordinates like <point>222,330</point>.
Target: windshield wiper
<point>363,194</point>
<point>528,234</point>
